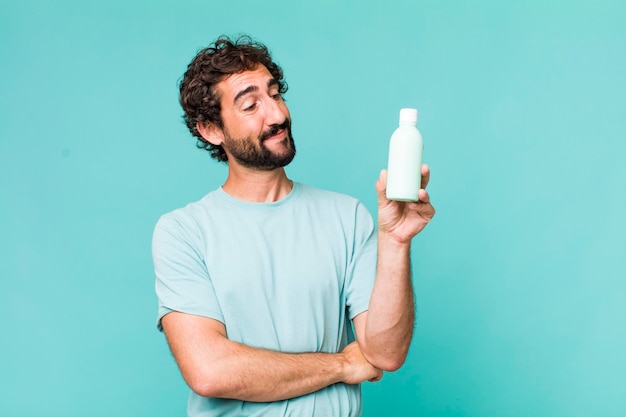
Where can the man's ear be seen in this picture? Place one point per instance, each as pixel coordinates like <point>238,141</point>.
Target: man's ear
<point>211,133</point>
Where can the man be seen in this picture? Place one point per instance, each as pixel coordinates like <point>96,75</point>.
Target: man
<point>265,283</point>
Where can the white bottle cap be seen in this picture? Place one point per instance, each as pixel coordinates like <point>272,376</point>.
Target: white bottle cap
<point>408,115</point>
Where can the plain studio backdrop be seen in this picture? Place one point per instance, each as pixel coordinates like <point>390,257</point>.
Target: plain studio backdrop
<point>520,278</point>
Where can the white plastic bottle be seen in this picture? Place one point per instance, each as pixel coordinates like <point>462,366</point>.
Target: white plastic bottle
<point>404,170</point>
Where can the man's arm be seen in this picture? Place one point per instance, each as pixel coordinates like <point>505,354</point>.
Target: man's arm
<point>214,366</point>
<point>384,332</point>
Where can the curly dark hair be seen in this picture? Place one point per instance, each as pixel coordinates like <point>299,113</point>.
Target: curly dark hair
<point>198,96</point>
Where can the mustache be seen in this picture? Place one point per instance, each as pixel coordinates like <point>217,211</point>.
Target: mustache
<point>274,129</point>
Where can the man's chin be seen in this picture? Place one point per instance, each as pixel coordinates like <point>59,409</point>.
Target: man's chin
<point>270,161</point>
<point>279,148</point>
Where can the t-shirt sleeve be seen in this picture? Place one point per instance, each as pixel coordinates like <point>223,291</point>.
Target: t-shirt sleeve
<point>362,267</point>
<point>182,280</point>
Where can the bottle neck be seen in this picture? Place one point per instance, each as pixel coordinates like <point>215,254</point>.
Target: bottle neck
<point>408,124</point>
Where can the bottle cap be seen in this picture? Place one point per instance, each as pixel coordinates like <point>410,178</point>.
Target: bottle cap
<point>408,115</point>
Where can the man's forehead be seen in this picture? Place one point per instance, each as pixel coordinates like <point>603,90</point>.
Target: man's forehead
<point>235,83</point>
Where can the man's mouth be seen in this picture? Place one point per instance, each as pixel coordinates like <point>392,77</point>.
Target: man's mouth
<point>280,135</point>
<point>277,132</point>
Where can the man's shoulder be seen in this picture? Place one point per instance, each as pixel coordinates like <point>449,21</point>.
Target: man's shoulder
<point>189,213</point>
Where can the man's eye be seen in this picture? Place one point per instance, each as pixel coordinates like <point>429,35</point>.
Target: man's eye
<point>277,96</point>
<point>250,107</point>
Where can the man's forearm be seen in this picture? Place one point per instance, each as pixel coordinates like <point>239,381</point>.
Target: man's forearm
<point>385,330</point>
<point>259,375</point>
<point>214,366</point>
<point>391,315</point>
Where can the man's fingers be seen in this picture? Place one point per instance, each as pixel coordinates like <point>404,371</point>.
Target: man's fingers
<point>377,378</point>
<point>425,176</point>
<point>381,184</point>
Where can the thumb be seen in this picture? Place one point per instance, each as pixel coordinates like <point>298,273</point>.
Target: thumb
<point>381,185</point>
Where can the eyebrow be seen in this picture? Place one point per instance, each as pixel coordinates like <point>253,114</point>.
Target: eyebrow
<point>252,88</point>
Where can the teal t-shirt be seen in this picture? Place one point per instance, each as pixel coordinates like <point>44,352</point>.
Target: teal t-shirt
<point>287,276</point>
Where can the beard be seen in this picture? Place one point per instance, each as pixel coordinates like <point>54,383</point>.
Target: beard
<point>255,155</point>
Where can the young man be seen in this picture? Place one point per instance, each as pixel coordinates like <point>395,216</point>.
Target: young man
<point>265,283</point>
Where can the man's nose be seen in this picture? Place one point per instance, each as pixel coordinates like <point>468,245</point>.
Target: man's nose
<point>276,113</point>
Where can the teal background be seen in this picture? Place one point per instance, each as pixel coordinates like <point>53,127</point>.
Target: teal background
<point>520,279</point>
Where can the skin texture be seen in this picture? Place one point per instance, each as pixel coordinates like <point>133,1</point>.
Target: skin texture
<point>214,366</point>
<point>384,332</point>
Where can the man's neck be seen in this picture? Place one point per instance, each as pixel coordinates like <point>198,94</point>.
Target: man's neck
<point>256,186</point>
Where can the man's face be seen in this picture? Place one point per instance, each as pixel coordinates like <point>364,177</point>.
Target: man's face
<point>257,126</point>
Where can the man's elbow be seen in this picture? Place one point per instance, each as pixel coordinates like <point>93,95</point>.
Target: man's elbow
<point>207,384</point>
<point>202,386</point>
<point>384,356</point>
<point>388,364</point>
<point>386,361</point>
